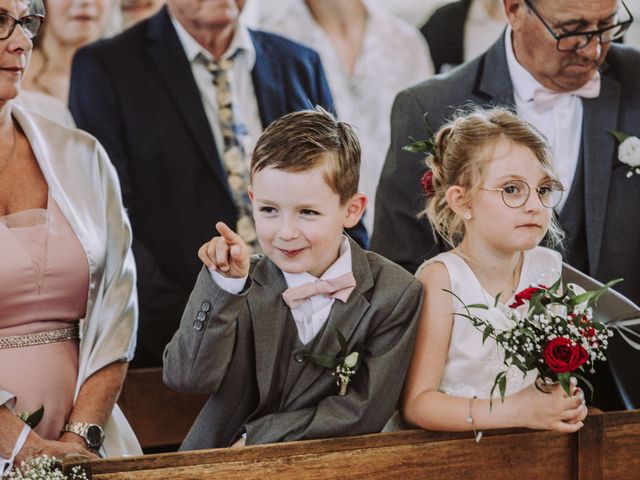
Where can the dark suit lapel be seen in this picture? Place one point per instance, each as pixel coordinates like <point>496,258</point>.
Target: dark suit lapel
<point>181,87</point>
<point>345,317</point>
<point>268,283</point>
<point>493,82</point>
<point>267,82</point>
<point>600,116</point>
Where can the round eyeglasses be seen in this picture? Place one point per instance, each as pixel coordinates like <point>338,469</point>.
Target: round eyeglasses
<point>515,193</point>
<point>30,25</point>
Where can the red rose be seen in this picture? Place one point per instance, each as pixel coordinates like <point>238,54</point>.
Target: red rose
<point>526,294</point>
<point>427,183</point>
<point>563,355</point>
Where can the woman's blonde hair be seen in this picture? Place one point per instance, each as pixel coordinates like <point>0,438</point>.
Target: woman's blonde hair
<point>460,154</point>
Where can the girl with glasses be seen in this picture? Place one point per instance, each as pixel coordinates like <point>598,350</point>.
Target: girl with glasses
<point>490,196</point>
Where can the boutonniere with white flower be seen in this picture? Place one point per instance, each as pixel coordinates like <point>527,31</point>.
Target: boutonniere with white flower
<point>344,365</point>
<point>628,151</point>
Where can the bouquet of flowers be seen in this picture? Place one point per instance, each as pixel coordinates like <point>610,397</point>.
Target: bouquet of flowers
<point>44,467</point>
<point>548,329</point>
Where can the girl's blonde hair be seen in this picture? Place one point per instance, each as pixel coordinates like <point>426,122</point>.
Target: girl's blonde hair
<point>460,154</point>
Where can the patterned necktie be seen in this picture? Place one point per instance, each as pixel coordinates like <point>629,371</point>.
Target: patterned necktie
<point>339,287</point>
<point>233,154</point>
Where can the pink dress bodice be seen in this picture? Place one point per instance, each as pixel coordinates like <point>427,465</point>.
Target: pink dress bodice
<point>44,282</point>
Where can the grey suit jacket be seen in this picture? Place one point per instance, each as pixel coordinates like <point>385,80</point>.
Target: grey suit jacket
<point>611,200</point>
<point>231,355</point>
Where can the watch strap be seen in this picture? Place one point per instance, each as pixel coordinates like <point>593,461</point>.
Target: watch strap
<point>81,429</point>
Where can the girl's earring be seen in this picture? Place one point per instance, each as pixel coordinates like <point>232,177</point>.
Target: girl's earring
<point>467,216</point>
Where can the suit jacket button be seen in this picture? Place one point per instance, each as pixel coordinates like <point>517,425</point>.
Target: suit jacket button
<point>299,357</point>
<point>201,316</point>
<point>198,325</point>
<point>205,306</point>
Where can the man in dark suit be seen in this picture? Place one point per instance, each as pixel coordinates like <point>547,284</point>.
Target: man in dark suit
<point>557,47</point>
<point>149,99</point>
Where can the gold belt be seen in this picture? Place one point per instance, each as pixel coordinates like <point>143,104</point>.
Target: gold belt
<point>40,338</point>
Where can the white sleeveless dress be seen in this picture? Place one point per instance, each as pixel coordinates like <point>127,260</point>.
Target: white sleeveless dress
<point>471,366</point>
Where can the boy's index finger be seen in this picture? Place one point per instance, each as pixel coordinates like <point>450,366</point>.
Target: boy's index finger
<point>228,234</point>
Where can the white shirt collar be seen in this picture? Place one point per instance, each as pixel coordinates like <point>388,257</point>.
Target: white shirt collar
<point>341,266</point>
<point>241,42</point>
<point>524,84</point>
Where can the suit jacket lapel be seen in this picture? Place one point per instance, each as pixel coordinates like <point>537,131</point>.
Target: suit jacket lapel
<point>269,283</point>
<point>267,83</point>
<point>344,316</point>
<point>493,82</point>
<point>181,86</point>
<point>600,117</point>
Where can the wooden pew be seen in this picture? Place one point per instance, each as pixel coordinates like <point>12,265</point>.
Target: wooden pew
<point>608,447</point>
<point>160,417</point>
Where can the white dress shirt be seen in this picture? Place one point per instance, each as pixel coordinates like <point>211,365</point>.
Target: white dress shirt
<point>311,315</point>
<point>392,57</point>
<point>243,95</point>
<point>561,123</point>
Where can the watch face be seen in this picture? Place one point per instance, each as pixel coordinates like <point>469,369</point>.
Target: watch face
<point>95,436</point>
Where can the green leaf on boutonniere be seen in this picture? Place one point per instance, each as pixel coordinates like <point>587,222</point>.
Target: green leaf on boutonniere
<point>326,361</point>
<point>620,136</point>
<point>32,419</point>
<point>426,146</point>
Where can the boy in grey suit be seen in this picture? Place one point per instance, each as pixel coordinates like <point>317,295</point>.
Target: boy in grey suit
<point>257,331</point>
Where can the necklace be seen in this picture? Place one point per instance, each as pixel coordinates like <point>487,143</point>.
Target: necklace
<point>6,158</point>
<point>514,276</point>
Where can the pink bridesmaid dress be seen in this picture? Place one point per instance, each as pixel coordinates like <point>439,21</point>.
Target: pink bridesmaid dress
<point>44,282</point>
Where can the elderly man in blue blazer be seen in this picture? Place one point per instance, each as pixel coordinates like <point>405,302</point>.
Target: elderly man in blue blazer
<point>149,96</point>
<point>557,67</point>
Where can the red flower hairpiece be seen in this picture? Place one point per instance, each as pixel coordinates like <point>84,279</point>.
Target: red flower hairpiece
<point>427,183</point>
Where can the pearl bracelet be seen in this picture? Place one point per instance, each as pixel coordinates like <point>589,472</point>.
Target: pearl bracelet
<point>476,434</point>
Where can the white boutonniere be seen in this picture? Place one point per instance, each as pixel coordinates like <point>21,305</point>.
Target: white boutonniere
<point>344,365</point>
<point>628,151</point>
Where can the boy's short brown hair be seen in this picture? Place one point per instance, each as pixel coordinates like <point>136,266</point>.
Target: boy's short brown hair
<point>301,140</point>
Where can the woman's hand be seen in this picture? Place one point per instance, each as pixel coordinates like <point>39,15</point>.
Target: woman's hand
<point>554,410</point>
<point>36,445</point>
<point>227,254</point>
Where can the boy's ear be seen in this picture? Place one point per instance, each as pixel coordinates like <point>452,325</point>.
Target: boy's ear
<point>355,209</point>
<point>455,197</point>
<point>250,193</point>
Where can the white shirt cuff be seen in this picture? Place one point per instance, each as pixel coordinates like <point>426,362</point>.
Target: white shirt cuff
<point>7,463</point>
<point>231,285</point>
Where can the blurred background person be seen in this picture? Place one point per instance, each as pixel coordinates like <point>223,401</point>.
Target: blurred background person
<point>70,25</point>
<point>68,304</point>
<point>368,55</point>
<point>459,31</point>
<point>133,11</point>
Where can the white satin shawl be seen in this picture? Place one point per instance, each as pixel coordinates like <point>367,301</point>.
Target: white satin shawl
<point>85,185</point>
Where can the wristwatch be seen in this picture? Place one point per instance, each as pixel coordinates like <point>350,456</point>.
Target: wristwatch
<point>92,434</point>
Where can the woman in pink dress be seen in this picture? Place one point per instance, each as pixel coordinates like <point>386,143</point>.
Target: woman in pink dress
<point>68,305</point>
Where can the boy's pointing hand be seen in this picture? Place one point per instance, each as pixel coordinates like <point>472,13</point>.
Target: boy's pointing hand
<point>227,254</point>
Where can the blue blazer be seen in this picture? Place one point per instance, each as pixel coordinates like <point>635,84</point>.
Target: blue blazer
<point>136,93</point>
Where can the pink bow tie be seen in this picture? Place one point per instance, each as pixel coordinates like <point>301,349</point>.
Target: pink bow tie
<point>338,287</point>
<point>543,98</point>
